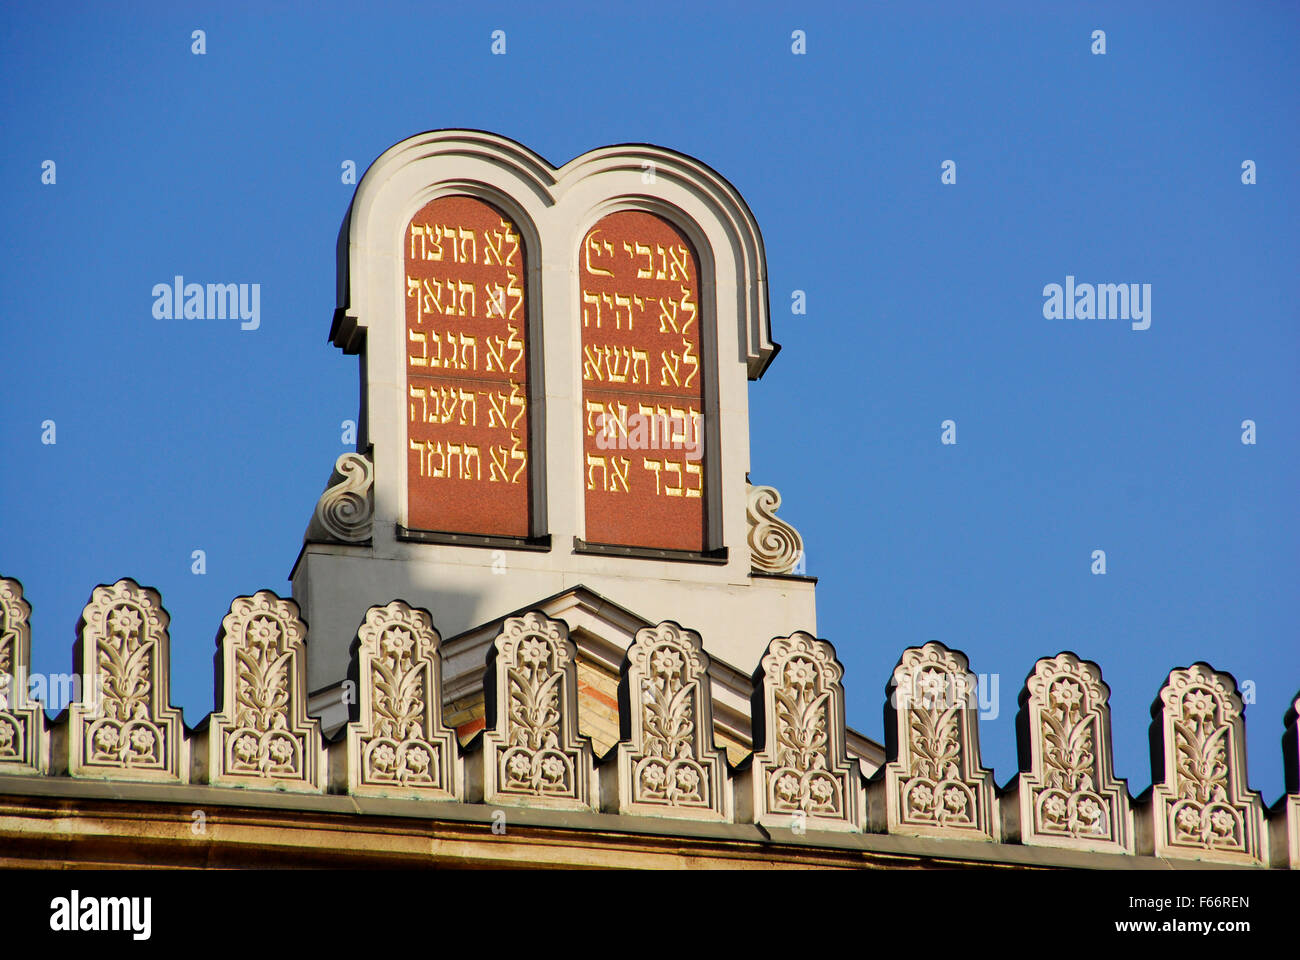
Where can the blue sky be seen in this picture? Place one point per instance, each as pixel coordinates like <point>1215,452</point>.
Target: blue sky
<point>924,304</point>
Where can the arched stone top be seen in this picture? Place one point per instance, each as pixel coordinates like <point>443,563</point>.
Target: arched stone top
<point>1067,792</point>
<point>124,726</point>
<point>557,206</point>
<point>1202,806</point>
<point>800,776</point>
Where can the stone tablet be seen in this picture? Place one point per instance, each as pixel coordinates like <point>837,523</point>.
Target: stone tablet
<point>642,384</point>
<point>466,371</point>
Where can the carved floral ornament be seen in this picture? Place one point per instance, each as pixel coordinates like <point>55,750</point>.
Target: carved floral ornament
<point>1070,797</point>
<point>400,745</point>
<point>124,720</point>
<point>670,763</point>
<point>1203,806</point>
<point>21,723</point>
<point>935,785</point>
<point>534,752</point>
<point>803,768</point>
<point>262,736</point>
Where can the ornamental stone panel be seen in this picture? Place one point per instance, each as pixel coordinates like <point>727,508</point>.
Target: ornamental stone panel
<point>532,753</point>
<point>1066,794</point>
<point>1201,807</point>
<point>800,776</point>
<point>261,736</point>
<point>400,746</point>
<point>23,740</point>
<point>123,726</point>
<point>1285,819</point>
<point>933,784</point>
<point>668,764</point>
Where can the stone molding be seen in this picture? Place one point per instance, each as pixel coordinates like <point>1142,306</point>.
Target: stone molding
<point>400,746</point>
<point>667,763</point>
<point>124,726</point>
<point>934,784</point>
<point>261,737</point>
<point>800,773</point>
<point>774,545</point>
<point>1201,805</point>
<point>345,511</point>
<point>1067,795</point>
<point>23,740</point>
<point>531,752</point>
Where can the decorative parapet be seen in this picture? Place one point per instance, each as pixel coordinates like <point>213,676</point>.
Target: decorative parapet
<point>1285,819</point>
<point>533,753</point>
<point>1201,806</point>
<point>668,764</point>
<point>261,736</point>
<point>23,740</point>
<point>800,775</point>
<point>934,784</point>
<point>400,747</point>
<point>774,545</point>
<point>345,511</point>
<point>123,725</point>
<point>1066,793</point>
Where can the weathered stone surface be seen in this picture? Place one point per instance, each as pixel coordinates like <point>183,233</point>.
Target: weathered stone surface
<point>1066,794</point>
<point>1201,807</point>
<point>124,726</point>
<point>934,784</point>
<point>260,736</point>
<point>532,753</point>
<point>800,776</point>
<point>668,764</point>
<point>400,746</point>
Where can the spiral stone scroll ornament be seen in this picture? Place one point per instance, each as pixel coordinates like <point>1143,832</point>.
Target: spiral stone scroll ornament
<point>347,507</point>
<point>774,545</point>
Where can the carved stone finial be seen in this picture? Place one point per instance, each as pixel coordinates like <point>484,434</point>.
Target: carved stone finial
<point>534,755</point>
<point>261,736</point>
<point>22,723</point>
<point>1201,806</point>
<point>774,545</point>
<point>400,747</point>
<point>1069,796</point>
<point>801,775</point>
<point>346,509</point>
<point>124,726</point>
<point>934,784</point>
<point>668,765</point>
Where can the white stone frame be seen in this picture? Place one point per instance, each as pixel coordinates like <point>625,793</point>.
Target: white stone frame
<point>552,209</point>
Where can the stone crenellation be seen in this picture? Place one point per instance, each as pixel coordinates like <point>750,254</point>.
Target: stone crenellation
<point>666,764</point>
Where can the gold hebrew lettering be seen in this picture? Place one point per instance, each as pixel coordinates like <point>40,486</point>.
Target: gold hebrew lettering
<point>594,299</point>
<point>671,466</point>
<point>667,319</point>
<point>593,363</point>
<point>454,452</point>
<point>518,454</point>
<point>592,245</point>
<point>693,470</point>
<point>461,289</point>
<point>517,399</point>
<point>471,453</point>
<point>423,396</point>
<point>472,344</point>
<point>679,264</point>
<point>497,468</point>
<point>656,466</point>
<point>669,369</point>
<point>496,411</point>
<point>464,235</point>
<point>691,360</point>
<point>643,357</point>
<point>496,354</point>
<point>423,359</point>
<point>467,397</point>
<point>620,476</point>
<point>592,463</point>
<point>688,307</point>
<point>622,301</point>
